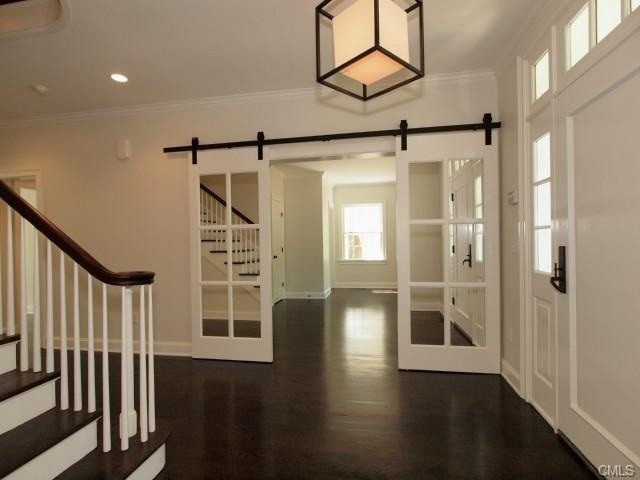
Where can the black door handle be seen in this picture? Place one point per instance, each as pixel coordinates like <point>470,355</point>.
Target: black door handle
<point>469,258</point>
<point>559,278</point>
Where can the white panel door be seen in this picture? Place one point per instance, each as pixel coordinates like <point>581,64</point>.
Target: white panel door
<point>597,204</point>
<point>277,249</point>
<point>230,223</point>
<point>448,253</point>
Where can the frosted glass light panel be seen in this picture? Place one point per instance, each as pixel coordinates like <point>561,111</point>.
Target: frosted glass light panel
<point>244,198</point>
<point>578,36</point>
<point>608,17</point>
<point>427,316</point>
<point>467,328</point>
<point>363,232</point>
<point>542,203</point>
<point>213,200</point>
<point>353,34</point>
<point>215,311</point>
<point>246,312</point>
<point>541,76</point>
<point>426,253</point>
<point>425,191</point>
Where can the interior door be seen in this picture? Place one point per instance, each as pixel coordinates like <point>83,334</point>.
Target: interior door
<point>277,249</point>
<point>231,256</point>
<point>448,253</point>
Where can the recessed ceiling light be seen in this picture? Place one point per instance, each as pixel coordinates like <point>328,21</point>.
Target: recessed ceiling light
<point>118,77</point>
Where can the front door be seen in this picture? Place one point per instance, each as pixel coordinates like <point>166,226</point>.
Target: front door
<point>448,253</point>
<point>231,251</point>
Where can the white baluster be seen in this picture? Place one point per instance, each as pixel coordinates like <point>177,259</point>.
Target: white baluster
<point>64,368</point>
<point>144,432</point>
<point>244,247</point>
<point>37,342</point>
<point>91,366</point>
<point>77,365</point>
<point>50,362</point>
<point>11,308</point>
<point>124,394</point>
<point>152,381</point>
<point>133,422</point>
<point>106,407</point>
<point>24,332</point>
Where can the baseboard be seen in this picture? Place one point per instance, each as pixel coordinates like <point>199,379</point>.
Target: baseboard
<point>327,292</point>
<point>306,295</point>
<point>366,285</point>
<point>169,349</point>
<point>511,376</point>
<point>237,315</point>
<point>427,307</point>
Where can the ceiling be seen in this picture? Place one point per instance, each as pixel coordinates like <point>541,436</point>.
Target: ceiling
<point>361,169</point>
<point>176,50</point>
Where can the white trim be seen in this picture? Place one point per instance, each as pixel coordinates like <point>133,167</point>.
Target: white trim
<point>364,285</point>
<point>152,466</point>
<point>169,349</point>
<point>475,76</point>
<point>307,295</point>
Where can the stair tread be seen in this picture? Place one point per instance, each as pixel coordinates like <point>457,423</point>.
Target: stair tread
<point>24,443</point>
<point>249,274</point>
<point>9,339</point>
<point>116,464</point>
<point>15,382</point>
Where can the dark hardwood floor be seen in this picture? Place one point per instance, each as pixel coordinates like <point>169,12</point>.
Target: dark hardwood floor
<point>334,406</point>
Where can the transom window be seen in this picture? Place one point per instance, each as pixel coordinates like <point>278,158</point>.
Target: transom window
<point>363,232</point>
<point>541,76</point>
<point>578,36</point>
<point>542,203</point>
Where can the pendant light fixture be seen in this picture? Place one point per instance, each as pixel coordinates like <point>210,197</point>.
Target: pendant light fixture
<point>364,48</point>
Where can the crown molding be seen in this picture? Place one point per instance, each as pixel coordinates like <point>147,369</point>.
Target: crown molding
<point>476,76</point>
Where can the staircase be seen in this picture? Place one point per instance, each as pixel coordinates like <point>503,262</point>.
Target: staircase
<point>243,240</point>
<point>55,404</point>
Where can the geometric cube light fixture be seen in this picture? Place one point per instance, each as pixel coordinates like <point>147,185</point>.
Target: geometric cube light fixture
<point>365,48</point>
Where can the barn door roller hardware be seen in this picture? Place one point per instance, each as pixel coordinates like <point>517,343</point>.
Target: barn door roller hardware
<point>487,124</point>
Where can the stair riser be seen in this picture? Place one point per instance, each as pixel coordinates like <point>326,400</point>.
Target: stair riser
<point>8,357</point>
<point>58,458</point>
<point>23,407</point>
<point>151,467</point>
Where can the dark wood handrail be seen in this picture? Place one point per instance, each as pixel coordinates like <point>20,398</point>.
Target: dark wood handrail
<point>204,188</point>
<point>68,246</point>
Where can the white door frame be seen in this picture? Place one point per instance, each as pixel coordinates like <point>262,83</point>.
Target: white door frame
<point>218,162</point>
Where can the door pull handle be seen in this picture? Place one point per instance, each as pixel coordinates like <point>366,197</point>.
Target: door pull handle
<point>469,258</point>
<point>559,278</point>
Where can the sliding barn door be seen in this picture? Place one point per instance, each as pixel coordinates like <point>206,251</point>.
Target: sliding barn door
<point>230,221</point>
<point>448,253</point>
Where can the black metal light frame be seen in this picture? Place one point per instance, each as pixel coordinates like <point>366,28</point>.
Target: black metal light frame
<point>418,72</point>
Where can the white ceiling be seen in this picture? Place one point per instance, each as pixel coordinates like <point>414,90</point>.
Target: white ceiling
<point>363,170</point>
<point>176,50</point>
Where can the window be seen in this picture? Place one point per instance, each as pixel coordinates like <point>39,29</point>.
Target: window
<point>541,76</point>
<point>578,35</point>
<point>608,17</point>
<point>363,232</point>
<point>635,4</point>
<point>542,203</point>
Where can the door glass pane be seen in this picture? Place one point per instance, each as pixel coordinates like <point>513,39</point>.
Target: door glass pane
<point>467,317</point>
<point>466,196</point>
<point>542,158</point>
<point>425,190</point>
<point>542,205</point>
<point>541,76</point>
<point>213,255</point>
<point>213,194</point>
<point>426,253</point>
<point>608,16</point>
<point>543,250</point>
<point>246,254</point>
<point>215,311</point>
<point>466,253</point>
<point>244,198</point>
<point>246,312</point>
<point>578,36</point>
<point>427,316</point>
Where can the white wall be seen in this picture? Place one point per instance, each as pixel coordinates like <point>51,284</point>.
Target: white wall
<point>366,274</point>
<point>133,215</point>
